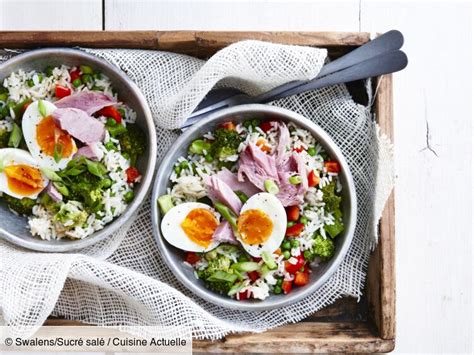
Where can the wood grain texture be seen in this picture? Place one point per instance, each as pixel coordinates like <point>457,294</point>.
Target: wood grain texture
<point>200,44</point>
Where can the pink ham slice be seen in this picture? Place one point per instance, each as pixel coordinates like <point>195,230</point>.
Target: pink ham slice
<point>257,166</point>
<point>290,194</point>
<point>231,179</point>
<point>88,101</point>
<point>283,148</point>
<point>79,124</point>
<point>221,192</point>
<point>224,234</point>
<point>88,152</point>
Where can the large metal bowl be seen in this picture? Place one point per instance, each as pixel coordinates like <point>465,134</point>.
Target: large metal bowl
<point>14,228</point>
<point>174,257</point>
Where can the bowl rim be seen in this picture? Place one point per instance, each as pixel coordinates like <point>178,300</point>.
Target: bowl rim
<point>145,184</point>
<point>209,295</point>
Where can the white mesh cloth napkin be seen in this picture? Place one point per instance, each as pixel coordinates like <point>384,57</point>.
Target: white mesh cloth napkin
<point>123,281</point>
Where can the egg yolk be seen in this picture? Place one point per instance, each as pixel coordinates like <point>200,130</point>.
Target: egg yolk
<point>254,226</point>
<point>50,138</point>
<point>24,179</point>
<point>199,225</point>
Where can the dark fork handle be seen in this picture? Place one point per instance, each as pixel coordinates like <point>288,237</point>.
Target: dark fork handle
<point>389,41</point>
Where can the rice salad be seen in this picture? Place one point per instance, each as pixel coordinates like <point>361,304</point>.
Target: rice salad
<point>68,150</point>
<point>255,206</point>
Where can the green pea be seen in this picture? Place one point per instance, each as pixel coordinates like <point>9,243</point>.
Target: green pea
<point>111,122</point>
<point>109,146</point>
<point>128,197</point>
<point>77,82</point>
<point>295,243</point>
<point>279,282</point>
<point>30,83</point>
<point>209,157</point>
<point>277,290</point>
<point>308,255</point>
<point>121,111</point>
<point>184,165</point>
<point>286,245</point>
<point>312,151</point>
<point>290,224</point>
<point>49,71</point>
<point>286,254</point>
<point>303,220</point>
<point>87,78</point>
<point>40,77</point>
<point>106,183</point>
<point>177,169</point>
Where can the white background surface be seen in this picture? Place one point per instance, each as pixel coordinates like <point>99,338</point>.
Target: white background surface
<point>432,103</point>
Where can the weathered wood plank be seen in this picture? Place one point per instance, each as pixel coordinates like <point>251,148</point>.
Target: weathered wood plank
<point>200,44</point>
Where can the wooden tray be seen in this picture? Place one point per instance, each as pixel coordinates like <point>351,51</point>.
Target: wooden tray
<point>345,326</point>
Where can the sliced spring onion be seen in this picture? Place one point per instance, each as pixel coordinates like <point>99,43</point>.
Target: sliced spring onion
<point>42,108</point>
<point>63,190</point>
<point>242,196</point>
<point>235,289</point>
<point>85,69</point>
<point>58,152</point>
<point>268,260</point>
<point>226,213</point>
<point>15,136</point>
<point>271,187</point>
<point>50,174</point>
<point>295,179</point>
<point>199,146</point>
<point>227,249</point>
<point>166,203</point>
<point>246,266</point>
<point>222,276</point>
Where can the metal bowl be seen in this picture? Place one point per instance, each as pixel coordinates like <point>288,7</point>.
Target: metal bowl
<point>174,257</point>
<point>14,228</point>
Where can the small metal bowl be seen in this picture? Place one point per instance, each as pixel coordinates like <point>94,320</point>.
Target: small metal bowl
<point>14,228</point>
<point>175,257</point>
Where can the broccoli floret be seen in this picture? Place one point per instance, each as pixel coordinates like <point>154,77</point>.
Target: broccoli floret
<point>4,137</point>
<point>71,215</point>
<point>22,206</point>
<point>331,200</point>
<point>86,188</point>
<point>133,142</point>
<point>225,144</point>
<point>324,248</point>
<point>216,262</point>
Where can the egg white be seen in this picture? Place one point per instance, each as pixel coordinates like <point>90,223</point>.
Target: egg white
<point>272,207</point>
<point>13,156</point>
<point>175,235</point>
<point>31,118</point>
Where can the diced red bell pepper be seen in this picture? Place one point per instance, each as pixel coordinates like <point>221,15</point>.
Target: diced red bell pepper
<point>294,230</point>
<point>243,296</point>
<point>292,269</point>
<point>266,126</point>
<point>132,174</point>
<point>286,286</point>
<point>230,126</point>
<point>301,278</point>
<point>253,275</point>
<point>292,213</point>
<point>110,111</point>
<point>75,74</point>
<point>313,179</point>
<point>61,91</point>
<point>256,259</point>
<point>192,257</point>
<point>299,149</point>
<point>332,167</point>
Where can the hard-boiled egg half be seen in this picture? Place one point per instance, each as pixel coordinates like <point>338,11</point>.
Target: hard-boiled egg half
<point>190,226</point>
<point>20,175</point>
<point>261,224</point>
<point>51,146</point>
